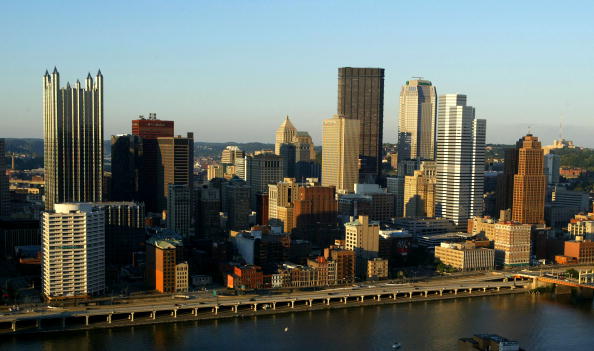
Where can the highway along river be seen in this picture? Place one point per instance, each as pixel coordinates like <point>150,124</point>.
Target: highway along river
<point>537,322</point>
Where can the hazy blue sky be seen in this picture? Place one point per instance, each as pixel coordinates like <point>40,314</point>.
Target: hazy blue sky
<point>231,70</point>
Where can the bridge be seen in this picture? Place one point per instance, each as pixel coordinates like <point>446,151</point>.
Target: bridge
<point>84,318</point>
<point>563,283</point>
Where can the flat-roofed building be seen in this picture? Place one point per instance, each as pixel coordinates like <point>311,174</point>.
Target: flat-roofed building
<point>512,243</point>
<point>466,256</point>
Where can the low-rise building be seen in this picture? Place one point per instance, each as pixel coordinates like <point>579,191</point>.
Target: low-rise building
<point>246,277</point>
<point>377,268</point>
<point>580,251</point>
<point>466,256</point>
<point>423,226</point>
<point>166,272</point>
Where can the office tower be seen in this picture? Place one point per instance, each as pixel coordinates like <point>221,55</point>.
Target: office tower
<point>207,209</point>
<point>460,161</point>
<point>340,145</point>
<point>419,191</point>
<point>512,244</point>
<point>4,194</point>
<point>240,166</point>
<point>166,271</point>
<point>175,165</point>
<point>215,171</point>
<point>288,153</point>
<point>152,128</point>
<point>73,140</point>
<point>281,196</point>
<point>361,97</point>
<point>362,236</point>
<point>261,170</point>
<point>126,167</point>
<point>529,182</point>
<point>73,251</point>
<point>180,209</point>
<point>370,200</point>
<point>417,120</point>
<point>236,203</point>
<point>230,154</point>
<point>315,206</point>
<point>284,134</point>
<point>124,231</point>
<point>552,164</point>
<point>305,149</point>
<point>149,130</point>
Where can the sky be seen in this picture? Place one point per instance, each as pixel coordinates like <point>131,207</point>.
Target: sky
<point>231,70</point>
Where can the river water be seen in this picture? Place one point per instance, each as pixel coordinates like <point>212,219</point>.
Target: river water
<point>537,322</point>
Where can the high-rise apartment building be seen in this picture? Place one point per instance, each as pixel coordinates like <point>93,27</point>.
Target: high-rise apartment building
<point>73,140</point>
<point>73,251</point>
<point>175,165</point>
<point>361,97</point>
<point>180,209</point>
<point>340,145</point>
<point>261,170</point>
<point>419,191</point>
<point>460,161</point>
<point>284,134</point>
<point>4,194</point>
<point>417,120</point>
<point>126,167</point>
<point>530,183</point>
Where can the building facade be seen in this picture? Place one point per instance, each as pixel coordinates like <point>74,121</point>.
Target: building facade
<point>175,165</point>
<point>361,97</point>
<point>73,251</point>
<point>417,120</point>
<point>180,210</point>
<point>127,158</point>
<point>460,161</point>
<point>466,256</point>
<point>529,182</point>
<point>419,191</point>
<point>512,244</point>
<point>340,158</point>
<point>73,140</point>
<point>166,271</point>
<point>261,170</point>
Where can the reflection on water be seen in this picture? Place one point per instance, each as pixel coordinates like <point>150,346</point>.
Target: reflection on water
<point>537,322</point>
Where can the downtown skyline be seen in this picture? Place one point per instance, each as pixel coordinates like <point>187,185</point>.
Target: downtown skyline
<point>200,70</point>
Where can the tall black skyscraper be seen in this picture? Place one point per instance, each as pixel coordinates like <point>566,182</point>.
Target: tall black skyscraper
<point>361,96</point>
<point>126,167</point>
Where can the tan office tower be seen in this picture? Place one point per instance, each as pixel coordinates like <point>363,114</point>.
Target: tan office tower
<point>175,165</point>
<point>281,194</point>
<point>73,140</point>
<point>419,191</point>
<point>340,153</point>
<point>417,120</point>
<point>361,97</point>
<point>304,147</point>
<point>530,182</point>
<point>284,134</point>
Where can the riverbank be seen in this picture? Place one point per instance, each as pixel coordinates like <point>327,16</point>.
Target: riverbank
<point>278,309</point>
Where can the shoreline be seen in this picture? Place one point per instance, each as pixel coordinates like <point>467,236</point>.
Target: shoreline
<point>250,313</point>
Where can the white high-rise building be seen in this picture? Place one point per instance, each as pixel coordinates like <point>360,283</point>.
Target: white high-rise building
<point>340,153</point>
<point>73,249</point>
<point>460,161</point>
<point>417,120</point>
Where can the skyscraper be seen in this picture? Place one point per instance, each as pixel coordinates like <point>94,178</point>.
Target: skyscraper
<point>124,230</point>
<point>340,145</point>
<point>419,191</point>
<point>4,194</point>
<point>175,165</point>
<point>236,203</point>
<point>530,182</point>
<point>73,251</point>
<point>261,170</point>
<point>417,120</point>
<point>284,134</point>
<point>180,209</point>
<point>73,140</point>
<point>460,161</point>
<point>126,167</point>
<point>149,130</point>
<point>361,97</point>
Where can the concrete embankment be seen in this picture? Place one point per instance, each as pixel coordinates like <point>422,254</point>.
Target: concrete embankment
<point>204,315</point>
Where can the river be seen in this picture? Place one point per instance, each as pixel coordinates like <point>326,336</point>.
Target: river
<point>537,322</point>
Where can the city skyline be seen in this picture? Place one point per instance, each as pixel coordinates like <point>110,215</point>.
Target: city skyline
<point>151,75</point>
